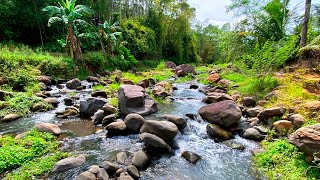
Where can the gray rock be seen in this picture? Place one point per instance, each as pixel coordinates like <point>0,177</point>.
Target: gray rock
<point>297,120</point>
<point>125,176</point>
<point>86,176</point>
<point>253,112</point>
<point>184,70</point>
<point>121,157</point>
<point>164,129</point>
<point>216,97</point>
<point>97,117</point>
<point>116,128</point>
<point>253,134</point>
<point>134,122</point>
<point>68,101</point>
<point>133,171</point>
<point>218,133</point>
<point>53,101</point>
<point>69,163</point>
<point>233,144</point>
<point>154,141</point>
<point>92,79</point>
<point>249,102</point>
<point>108,109</point>
<point>73,84</point>
<point>109,166</point>
<point>140,159</point>
<point>99,94</point>
<point>191,156</point>
<point>271,112</point>
<point>109,119</point>
<point>48,127</point>
<point>91,105</point>
<point>180,122</point>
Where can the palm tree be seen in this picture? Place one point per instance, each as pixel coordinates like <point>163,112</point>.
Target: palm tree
<point>69,14</point>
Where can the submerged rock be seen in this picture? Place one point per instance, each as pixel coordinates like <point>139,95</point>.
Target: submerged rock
<point>218,133</point>
<point>10,117</point>
<point>233,144</point>
<point>164,129</point>
<point>191,156</point>
<point>69,163</point>
<point>48,127</point>
<point>224,113</point>
<point>180,122</point>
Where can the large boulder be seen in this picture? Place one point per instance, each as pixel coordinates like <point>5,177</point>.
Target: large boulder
<point>154,141</point>
<point>216,97</point>
<point>271,112</point>
<point>224,113</point>
<point>10,117</point>
<point>91,105</point>
<point>218,133</point>
<point>140,159</point>
<point>132,99</point>
<point>180,122</point>
<point>307,139</point>
<point>184,70</point>
<point>73,84</point>
<point>192,157</point>
<point>48,127</point>
<point>164,129</point>
<point>134,122</point>
<point>69,163</point>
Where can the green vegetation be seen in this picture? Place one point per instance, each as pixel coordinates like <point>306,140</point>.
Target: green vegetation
<point>282,160</point>
<point>33,155</point>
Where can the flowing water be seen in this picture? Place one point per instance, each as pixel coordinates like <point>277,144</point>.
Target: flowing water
<point>218,161</point>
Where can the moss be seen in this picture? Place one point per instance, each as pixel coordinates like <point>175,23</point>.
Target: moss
<point>282,160</point>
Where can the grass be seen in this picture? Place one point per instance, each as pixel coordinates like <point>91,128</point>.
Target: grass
<point>282,160</point>
<point>98,88</point>
<point>15,153</point>
<point>184,79</point>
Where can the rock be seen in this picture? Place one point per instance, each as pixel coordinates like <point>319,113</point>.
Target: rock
<point>144,83</point>
<point>54,102</point>
<point>126,81</point>
<point>313,105</point>
<point>133,171</point>
<point>48,127</point>
<point>164,129</point>
<point>253,112</point>
<point>272,95</point>
<point>282,126</point>
<point>132,99</point>
<point>271,112</point>
<point>97,117</point>
<point>109,166</point>
<point>297,120</point>
<point>125,176</point>
<point>92,79</point>
<point>191,156</point>
<point>91,105</point>
<point>86,176</point>
<point>224,113</point>
<point>214,78</point>
<point>140,159</point>
<point>154,141</point>
<point>262,129</point>
<point>10,117</point>
<point>40,95</point>
<point>134,122</point>
<point>249,102</point>
<point>170,65</point>
<point>152,81</point>
<point>68,112</point>
<point>21,135</point>
<point>109,119</point>
<point>184,70</point>
<point>121,157</point>
<point>194,86</point>
<point>116,128</point>
<point>224,83</point>
<point>162,89</point>
<point>218,133</point>
<point>37,107</point>
<point>106,73</point>
<point>73,84</point>
<point>69,163</point>
<point>119,171</point>
<point>68,102</point>
<point>307,139</point>
<point>180,122</point>
<point>257,151</point>
<point>108,109</point>
<point>262,103</point>
<point>234,145</point>
<point>253,134</point>
<point>216,97</point>
<point>43,87</point>
<point>99,94</point>
<point>45,79</point>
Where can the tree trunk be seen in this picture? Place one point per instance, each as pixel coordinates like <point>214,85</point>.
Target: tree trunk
<point>304,32</point>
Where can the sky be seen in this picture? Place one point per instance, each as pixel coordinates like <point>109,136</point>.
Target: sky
<point>214,11</point>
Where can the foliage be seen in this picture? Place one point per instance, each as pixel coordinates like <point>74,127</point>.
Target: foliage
<point>16,152</point>
<point>282,160</point>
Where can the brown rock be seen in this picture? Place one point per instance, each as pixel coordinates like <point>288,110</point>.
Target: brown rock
<point>218,133</point>
<point>192,157</point>
<point>313,105</point>
<point>271,112</point>
<point>164,129</point>
<point>48,127</point>
<point>214,78</point>
<point>140,159</point>
<point>54,102</point>
<point>216,97</point>
<point>282,126</point>
<point>10,117</point>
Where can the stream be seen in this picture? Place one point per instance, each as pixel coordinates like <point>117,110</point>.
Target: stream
<point>218,162</point>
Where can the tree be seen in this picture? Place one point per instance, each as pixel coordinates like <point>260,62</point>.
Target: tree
<point>70,15</point>
<point>304,31</point>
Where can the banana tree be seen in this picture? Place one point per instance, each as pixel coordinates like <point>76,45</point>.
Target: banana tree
<point>70,15</point>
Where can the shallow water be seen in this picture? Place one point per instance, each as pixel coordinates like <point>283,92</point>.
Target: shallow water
<point>218,161</point>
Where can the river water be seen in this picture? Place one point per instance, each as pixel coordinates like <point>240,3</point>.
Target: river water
<point>218,162</point>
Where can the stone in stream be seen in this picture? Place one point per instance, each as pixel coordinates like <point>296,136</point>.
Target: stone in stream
<point>99,94</point>
<point>194,86</point>
<point>92,79</point>
<point>109,119</point>
<point>271,112</point>
<point>68,101</point>
<point>116,128</point>
<point>69,163</point>
<point>164,129</point>
<point>10,117</point>
<point>191,156</point>
<point>125,176</point>
<point>224,113</point>
<point>133,172</point>
<point>108,109</point>
<point>134,122</point>
<point>73,84</point>
<point>144,83</point>
<point>253,134</point>
<point>121,157</point>
<point>48,127</point>
<point>216,97</point>
<point>154,141</point>
<point>54,102</point>
<point>97,117</point>
<point>140,160</point>
<point>45,79</point>
<point>91,105</point>
<point>233,144</point>
<point>109,166</point>
<point>180,122</point>
<point>132,99</point>
<point>218,133</point>
<point>86,176</point>
<point>100,173</point>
